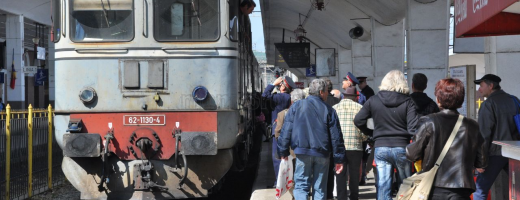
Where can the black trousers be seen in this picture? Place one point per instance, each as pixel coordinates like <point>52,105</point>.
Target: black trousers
<point>352,167</point>
<point>330,180</point>
<point>450,193</point>
<point>364,160</point>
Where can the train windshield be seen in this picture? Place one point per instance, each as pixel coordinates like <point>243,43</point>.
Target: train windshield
<point>186,20</point>
<point>101,20</point>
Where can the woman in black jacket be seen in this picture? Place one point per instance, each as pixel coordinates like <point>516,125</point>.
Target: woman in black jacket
<point>395,118</point>
<point>454,179</point>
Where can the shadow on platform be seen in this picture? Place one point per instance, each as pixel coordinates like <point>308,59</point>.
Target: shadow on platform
<point>266,178</point>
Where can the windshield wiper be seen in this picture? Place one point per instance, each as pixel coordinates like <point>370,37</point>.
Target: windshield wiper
<point>105,12</point>
<point>195,13</point>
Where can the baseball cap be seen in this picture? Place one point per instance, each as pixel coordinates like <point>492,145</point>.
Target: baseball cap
<point>490,77</point>
<point>351,77</point>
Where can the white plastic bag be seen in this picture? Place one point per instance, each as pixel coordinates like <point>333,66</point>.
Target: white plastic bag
<point>285,177</point>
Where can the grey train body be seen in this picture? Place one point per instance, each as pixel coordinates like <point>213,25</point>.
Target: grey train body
<point>146,75</point>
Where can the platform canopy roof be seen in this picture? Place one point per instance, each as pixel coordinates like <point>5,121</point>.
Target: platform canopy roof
<point>35,10</point>
<point>326,28</point>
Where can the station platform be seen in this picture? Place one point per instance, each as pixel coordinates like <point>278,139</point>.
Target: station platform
<point>265,177</point>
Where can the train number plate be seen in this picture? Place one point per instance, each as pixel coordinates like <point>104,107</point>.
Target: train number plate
<point>144,120</point>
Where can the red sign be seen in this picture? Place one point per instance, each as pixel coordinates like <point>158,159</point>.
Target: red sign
<point>300,85</point>
<point>477,18</point>
<point>185,121</point>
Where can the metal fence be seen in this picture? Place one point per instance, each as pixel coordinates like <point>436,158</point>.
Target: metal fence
<point>30,163</point>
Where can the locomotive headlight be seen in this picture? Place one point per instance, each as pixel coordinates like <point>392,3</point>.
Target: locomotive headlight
<point>87,95</point>
<point>200,93</point>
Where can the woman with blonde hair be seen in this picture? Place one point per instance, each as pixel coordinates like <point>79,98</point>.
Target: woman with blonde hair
<point>395,119</point>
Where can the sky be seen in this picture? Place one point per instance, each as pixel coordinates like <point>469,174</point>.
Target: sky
<point>257,28</point>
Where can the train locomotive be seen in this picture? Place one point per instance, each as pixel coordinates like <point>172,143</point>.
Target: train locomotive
<point>153,97</point>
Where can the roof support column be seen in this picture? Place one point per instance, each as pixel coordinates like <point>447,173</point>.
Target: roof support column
<point>50,62</point>
<point>388,50</point>
<point>427,29</point>
<point>14,38</point>
<point>362,59</point>
<point>502,55</point>
<point>345,65</point>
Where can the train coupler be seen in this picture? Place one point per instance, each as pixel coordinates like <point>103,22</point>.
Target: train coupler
<point>143,177</point>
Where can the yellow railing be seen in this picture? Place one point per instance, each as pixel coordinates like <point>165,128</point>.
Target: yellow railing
<point>30,114</point>
<point>49,151</point>
<point>7,151</point>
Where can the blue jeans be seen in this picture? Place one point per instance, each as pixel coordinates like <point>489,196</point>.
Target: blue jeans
<point>386,157</point>
<point>485,180</point>
<point>276,161</point>
<point>307,167</point>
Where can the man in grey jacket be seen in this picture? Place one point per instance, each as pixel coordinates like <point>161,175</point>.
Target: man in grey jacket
<point>495,119</point>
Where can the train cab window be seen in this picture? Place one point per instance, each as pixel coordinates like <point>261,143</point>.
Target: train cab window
<point>233,20</point>
<point>186,20</point>
<point>56,20</point>
<point>101,20</point>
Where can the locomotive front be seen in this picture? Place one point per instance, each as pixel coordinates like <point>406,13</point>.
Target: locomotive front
<point>150,102</point>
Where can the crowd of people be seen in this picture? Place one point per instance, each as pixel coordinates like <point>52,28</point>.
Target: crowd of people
<point>329,133</point>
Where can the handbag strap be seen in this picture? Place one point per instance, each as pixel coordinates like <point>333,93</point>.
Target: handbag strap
<point>450,140</point>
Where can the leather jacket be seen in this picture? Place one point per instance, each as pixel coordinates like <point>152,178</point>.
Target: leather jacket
<point>464,155</point>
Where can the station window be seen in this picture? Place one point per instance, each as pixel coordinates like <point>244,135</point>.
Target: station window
<point>56,20</point>
<point>186,20</point>
<point>101,20</point>
<point>233,20</point>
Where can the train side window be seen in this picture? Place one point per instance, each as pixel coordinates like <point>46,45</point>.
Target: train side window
<point>233,20</point>
<point>56,20</point>
<point>186,20</point>
<point>101,20</point>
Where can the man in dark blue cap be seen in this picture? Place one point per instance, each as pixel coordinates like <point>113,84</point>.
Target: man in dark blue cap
<point>496,123</point>
<point>279,101</point>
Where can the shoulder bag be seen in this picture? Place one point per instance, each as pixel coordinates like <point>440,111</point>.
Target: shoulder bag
<point>418,186</point>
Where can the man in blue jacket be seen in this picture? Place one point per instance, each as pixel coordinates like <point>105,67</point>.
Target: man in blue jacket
<point>311,128</point>
<point>280,101</point>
